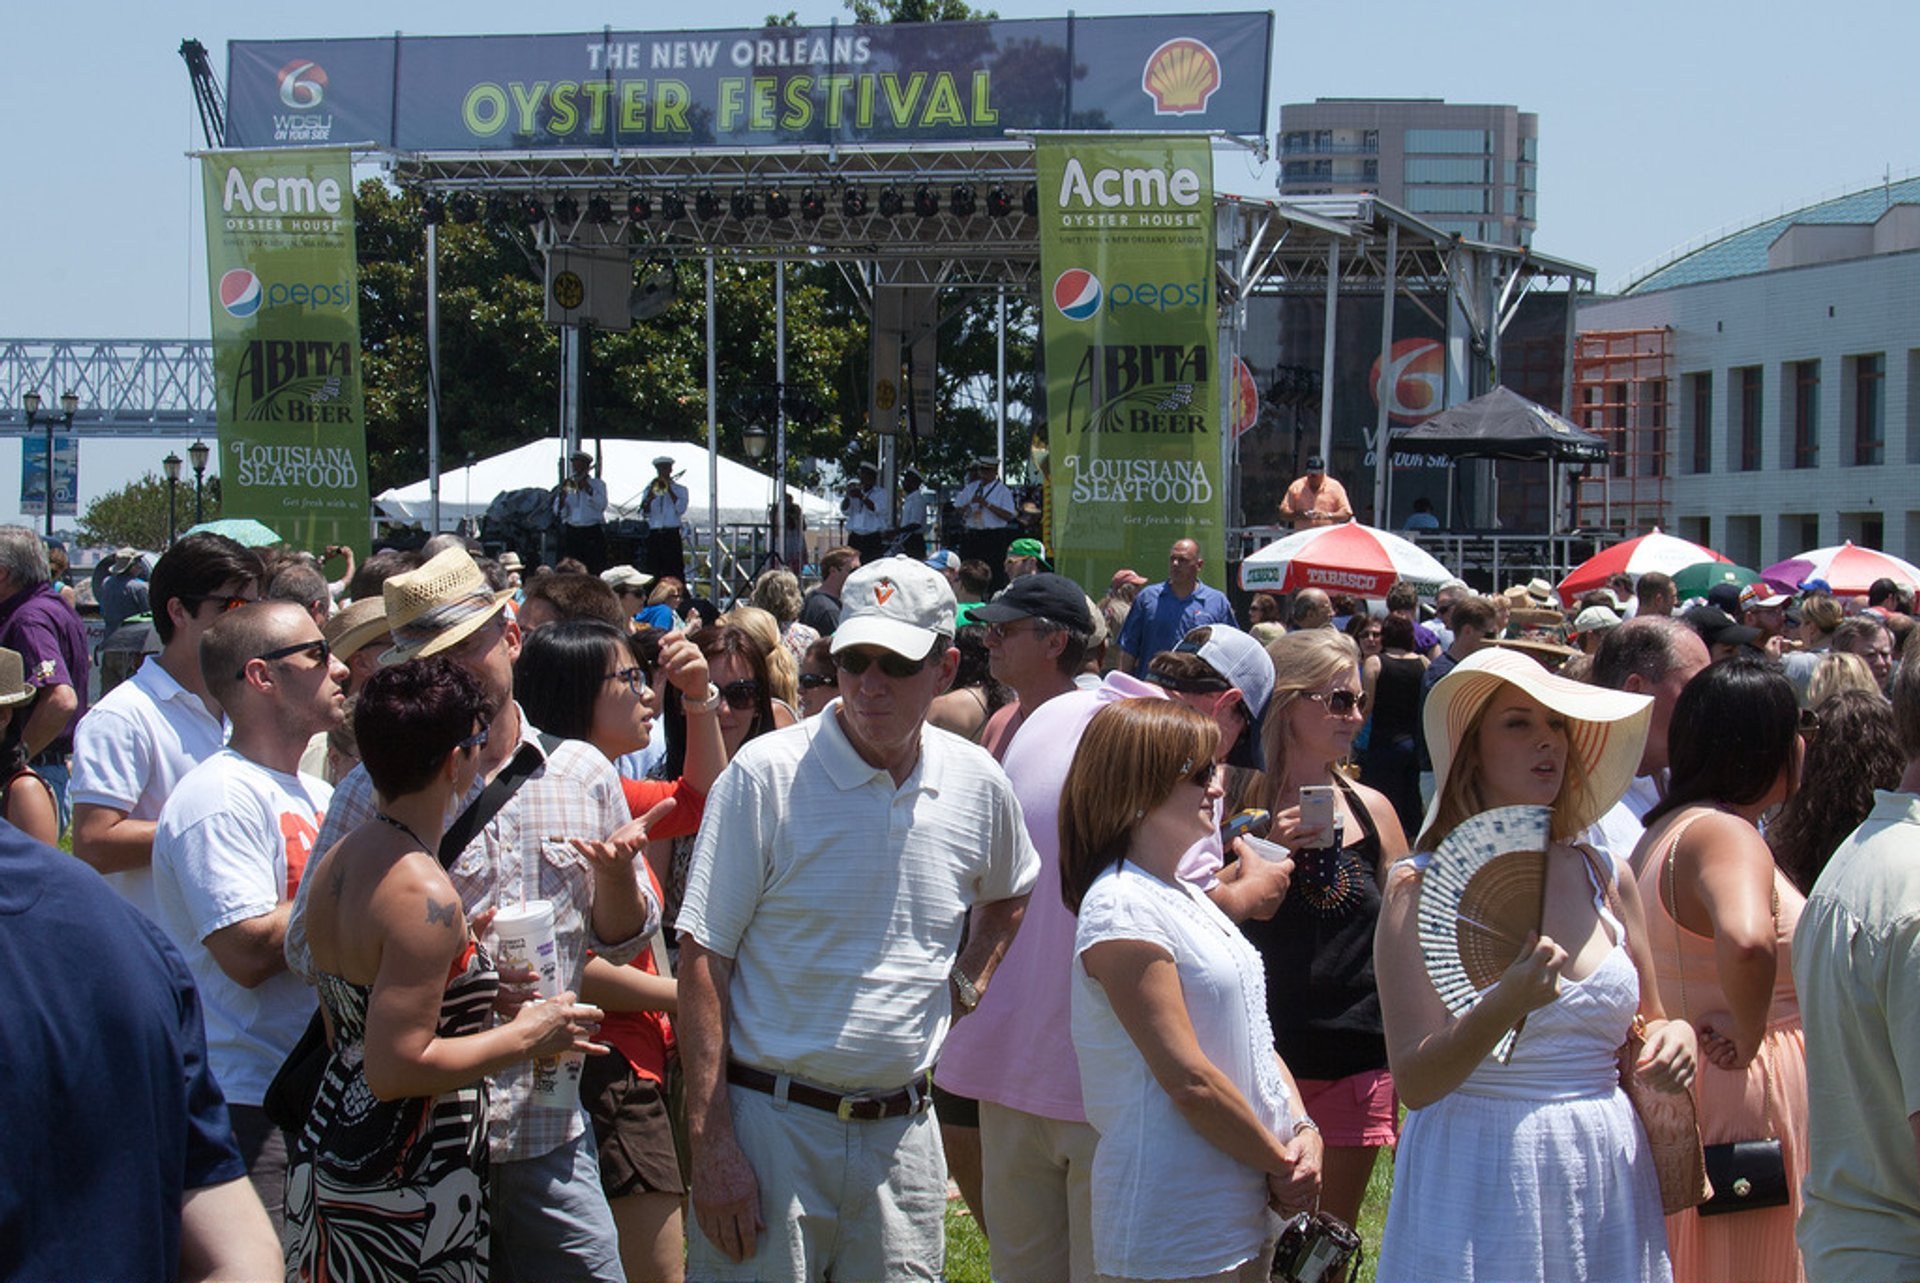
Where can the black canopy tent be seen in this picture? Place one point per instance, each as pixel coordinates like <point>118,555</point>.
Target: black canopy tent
<point>1502,424</point>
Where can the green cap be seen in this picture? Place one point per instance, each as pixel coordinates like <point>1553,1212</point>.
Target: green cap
<point>1027,548</point>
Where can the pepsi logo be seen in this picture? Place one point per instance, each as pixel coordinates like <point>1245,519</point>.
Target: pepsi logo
<point>1077,294</point>
<point>303,83</point>
<point>240,292</point>
<point>1413,383</point>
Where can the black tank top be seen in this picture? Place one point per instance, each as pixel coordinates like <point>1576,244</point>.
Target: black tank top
<point>1318,951</point>
<point>1396,696</point>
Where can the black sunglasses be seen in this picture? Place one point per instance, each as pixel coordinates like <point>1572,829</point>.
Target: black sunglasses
<point>896,666</point>
<point>1340,703</point>
<point>1809,724</point>
<point>814,681</point>
<point>318,648</point>
<point>477,740</point>
<point>1204,776</point>
<point>740,695</point>
<point>198,599</point>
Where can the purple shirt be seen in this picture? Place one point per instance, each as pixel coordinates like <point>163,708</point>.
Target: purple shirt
<point>53,647</point>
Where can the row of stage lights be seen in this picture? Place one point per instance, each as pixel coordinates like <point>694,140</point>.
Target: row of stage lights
<point>707,205</point>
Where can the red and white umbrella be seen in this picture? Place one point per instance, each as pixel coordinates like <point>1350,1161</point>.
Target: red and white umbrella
<point>1848,571</point>
<point>1635,557</point>
<point>1349,558</point>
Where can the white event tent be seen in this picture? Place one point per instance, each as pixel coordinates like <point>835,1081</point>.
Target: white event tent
<point>627,468</point>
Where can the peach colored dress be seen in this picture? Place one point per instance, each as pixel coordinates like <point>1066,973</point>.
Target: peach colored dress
<point>1767,1098</point>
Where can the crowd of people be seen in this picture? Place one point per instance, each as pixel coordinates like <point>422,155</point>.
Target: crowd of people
<point>1088,904</point>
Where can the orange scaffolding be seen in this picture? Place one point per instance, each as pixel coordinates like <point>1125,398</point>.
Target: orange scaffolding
<point>1623,391</point>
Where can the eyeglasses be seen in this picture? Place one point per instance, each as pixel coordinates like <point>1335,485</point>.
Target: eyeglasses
<point>741,695</point>
<point>475,741</point>
<point>318,648</point>
<point>637,678</point>
<point>814,681</point>
<point>227,602</point>
<point>854,663</point>
<point>1340,703</point>
<point>1011,628</point>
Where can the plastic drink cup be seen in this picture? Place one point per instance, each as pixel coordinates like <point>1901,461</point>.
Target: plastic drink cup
<point>1269,851</point>
<point>524,938</point>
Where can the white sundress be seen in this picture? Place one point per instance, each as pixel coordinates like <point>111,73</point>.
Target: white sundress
<point>1538,1169</point>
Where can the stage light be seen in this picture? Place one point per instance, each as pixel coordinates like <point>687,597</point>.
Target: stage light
<point>673,207</point>
<point>599,211</point>
<point>853,203</point>
<point>962,200</point>
<point>433,210</point>
<point>891,203</point>
<point>463,207</point>
<point>740,205</point>
<point>639,207</point>
<point>926,202</point>
<point>566,211</point>
<point>498,210</point>
<point>999,204</point>
<point>706,205</point>
<point>1030,202</point>
<point>813,206</point>
<point>532,211</point>
<point>778,206</point>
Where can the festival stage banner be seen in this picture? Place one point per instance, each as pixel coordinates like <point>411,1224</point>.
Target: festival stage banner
<point>1128,327</point>
<point>934,82</point>
<point>286,343</point>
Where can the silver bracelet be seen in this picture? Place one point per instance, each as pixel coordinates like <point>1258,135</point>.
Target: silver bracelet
<point>1305,1125</point>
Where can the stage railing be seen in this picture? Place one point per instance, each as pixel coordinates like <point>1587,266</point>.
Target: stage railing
<point>1490,560</point>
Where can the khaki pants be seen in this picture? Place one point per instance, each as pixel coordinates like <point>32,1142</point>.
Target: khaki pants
<point>1038,1177</point>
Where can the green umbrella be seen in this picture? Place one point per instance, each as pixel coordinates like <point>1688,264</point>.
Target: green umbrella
<point>242,530</point>
<point>1697,579</point>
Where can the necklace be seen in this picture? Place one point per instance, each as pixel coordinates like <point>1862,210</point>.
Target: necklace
<point>390,822</point>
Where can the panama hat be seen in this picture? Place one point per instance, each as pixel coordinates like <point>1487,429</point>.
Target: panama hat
<point>357,627</point>
<point>13,679</point>
<point>437,606</point>
<point>1606,731</point>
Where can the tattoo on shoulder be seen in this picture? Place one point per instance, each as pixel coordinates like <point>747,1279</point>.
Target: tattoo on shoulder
<point>441,914</point>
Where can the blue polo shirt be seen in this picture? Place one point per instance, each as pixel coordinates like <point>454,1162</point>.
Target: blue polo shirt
<point>1159,619</point>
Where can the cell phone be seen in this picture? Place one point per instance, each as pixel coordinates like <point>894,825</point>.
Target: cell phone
<point>1252,821</point>
<point>1316,811</point>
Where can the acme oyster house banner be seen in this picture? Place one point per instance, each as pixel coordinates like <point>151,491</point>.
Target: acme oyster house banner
<point>938,82</point>
<point>286,342</point>
<point>1128,327</point>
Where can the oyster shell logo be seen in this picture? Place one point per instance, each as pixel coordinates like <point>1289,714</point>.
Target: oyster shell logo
<point>1180,76</point>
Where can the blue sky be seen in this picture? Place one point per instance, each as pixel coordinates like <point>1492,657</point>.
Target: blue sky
<point>1659,122</point>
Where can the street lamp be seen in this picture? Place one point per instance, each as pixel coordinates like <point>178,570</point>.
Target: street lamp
<point>172,464</point>
<point>198,452</point>
<point>69,402</point>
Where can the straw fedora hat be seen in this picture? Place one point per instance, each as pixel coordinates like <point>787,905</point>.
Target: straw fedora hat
<point>437,606</point>
<point>1607,729</point>
<point>357,627</point>
<point>13,679</point>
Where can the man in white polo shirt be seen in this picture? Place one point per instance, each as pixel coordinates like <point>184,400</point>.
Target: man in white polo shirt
<point>819,975</point>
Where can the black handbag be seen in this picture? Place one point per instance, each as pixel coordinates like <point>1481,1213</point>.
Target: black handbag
<point>290,1096</point>
<point>1746,1175</point>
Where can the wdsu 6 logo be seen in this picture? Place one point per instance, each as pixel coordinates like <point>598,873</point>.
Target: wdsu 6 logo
<point>1079,295</point>
<point>242,293</point>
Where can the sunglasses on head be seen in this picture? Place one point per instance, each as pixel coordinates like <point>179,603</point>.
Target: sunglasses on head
<point>814,681</point>
<point>318,648</point>
<point>741,695</point>
<point>1340,703</point>
<point>856,662</point>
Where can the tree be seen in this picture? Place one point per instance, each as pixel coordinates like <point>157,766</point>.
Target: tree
<point>135,515</point>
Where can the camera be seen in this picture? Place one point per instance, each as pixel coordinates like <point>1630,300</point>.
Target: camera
<point>1316,1248</point>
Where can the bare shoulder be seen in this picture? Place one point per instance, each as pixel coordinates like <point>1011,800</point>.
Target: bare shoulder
<point>415,892</point>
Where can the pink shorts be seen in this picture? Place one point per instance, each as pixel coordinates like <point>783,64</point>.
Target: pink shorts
<point>1359,1111</point>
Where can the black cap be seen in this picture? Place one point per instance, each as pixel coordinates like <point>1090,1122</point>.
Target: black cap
<point>1316,464</point>
<point>1726,597</point>
<point>1042,596</point>
<point>1717,628</point>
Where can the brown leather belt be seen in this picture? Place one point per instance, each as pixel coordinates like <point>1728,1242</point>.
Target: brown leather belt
<point>862,1106</point>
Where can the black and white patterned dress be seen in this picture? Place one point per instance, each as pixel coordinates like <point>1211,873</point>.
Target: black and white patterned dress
<point>392,1189</point>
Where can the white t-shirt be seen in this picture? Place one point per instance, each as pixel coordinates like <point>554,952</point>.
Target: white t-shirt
<point>131,751</point>
<point>864,520</point>
<point>914,508</point>
<point>232,843</point>
<point>841,898</point>
<point>1148,1153</point>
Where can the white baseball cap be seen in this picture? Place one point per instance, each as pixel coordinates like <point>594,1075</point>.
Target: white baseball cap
<point>896,603</point>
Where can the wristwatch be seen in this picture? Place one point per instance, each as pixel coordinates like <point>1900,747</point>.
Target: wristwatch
<point>964,990</point>
<point>1305,1125</point>
<point>707,705</point>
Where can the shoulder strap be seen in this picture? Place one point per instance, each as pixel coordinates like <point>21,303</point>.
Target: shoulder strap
<point>500,789</point>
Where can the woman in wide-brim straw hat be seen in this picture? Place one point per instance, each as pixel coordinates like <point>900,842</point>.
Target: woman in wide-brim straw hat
<point>1537,1168</point>
<point>26,800</point>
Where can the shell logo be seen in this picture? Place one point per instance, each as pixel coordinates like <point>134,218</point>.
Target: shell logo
<point>1077,293</point>
<point>1180,76</point>
<point>240,292</point>
<point>1414,383</point>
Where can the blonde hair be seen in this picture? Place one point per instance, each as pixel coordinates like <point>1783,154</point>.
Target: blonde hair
<point>1302,661</point>
<point>1839,670</point>
<point>1460,797</point>
<point>1133,755</point>
<point>783,674</point>
<point>1823,612</point>
<point>777,592</point>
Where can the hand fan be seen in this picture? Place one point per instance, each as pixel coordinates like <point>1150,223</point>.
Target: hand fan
<point>1479,900</point>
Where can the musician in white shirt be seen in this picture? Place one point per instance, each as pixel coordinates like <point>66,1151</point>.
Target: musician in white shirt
<point>665,508</point>
<point>581,504</point>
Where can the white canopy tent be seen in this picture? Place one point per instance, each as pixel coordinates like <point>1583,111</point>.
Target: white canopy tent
<point>627,468</point>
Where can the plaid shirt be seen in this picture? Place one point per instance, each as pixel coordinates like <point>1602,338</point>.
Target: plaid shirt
<point>523,847</point>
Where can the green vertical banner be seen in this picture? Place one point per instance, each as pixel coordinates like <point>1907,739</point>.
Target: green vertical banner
<point>286,342</point>
<point>1133,433</point>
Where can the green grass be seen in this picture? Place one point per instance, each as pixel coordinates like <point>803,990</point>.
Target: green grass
<point>967,1250</point>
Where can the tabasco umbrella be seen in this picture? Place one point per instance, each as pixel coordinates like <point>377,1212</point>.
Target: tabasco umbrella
<point>1349,558</point>
<point>1636,557</point>
<point>1848,570</point>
